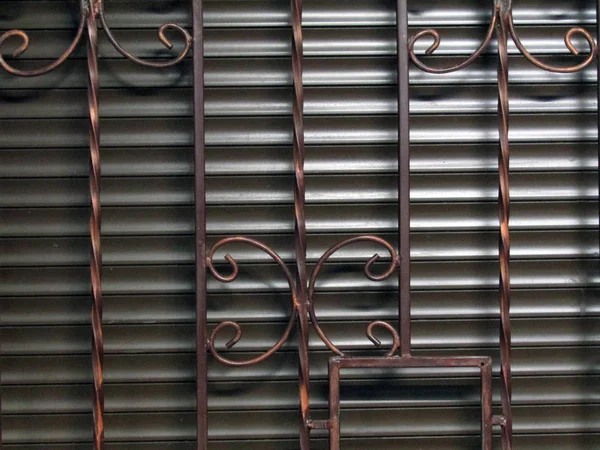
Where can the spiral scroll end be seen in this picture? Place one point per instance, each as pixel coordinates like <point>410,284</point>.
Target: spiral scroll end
<point>24,46</point>
<point>234,340</point>
<point>166,41</point>
<point>431,33</point>
<point>18,33</point>
<point>163,38</point>
<point>390,329</point>
<point>369,267</point>
<point>373,339</point>
<point>433,47</point>
<point>569,40</point>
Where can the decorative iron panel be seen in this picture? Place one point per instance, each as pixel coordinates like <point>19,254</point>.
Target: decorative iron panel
<point>300,280</point>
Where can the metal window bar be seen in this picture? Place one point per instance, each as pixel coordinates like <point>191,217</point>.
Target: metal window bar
<point>302,286</point>
<point>91,17</point>
<point>501,26</point>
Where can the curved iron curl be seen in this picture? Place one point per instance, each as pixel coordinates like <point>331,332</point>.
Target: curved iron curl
<point>568,42</point>
<point>161,36</point>
<point>25,45</point>
<point>392,331</point>
<point>369,274</point>
<point>436,43</point>
<point>236,327</point>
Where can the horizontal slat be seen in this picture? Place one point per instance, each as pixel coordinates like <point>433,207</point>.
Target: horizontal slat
<point>64,399</point>
<point>278,131</point>
<point>179,367</point>
<point>321,13</point>
<point>279,424</point>
<point>180,250</point>
<point>318,102</point>
<point>360,219</point>
<point>267,307</point>
<point>27,193</point>
<point>275,71</point>
<point>259,337</point>
<point>535,442</point>
<point>257,278</point>
<point>347,159</point>
<point>334,42</point>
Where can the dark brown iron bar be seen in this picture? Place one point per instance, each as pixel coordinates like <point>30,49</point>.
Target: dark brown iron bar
<point>403,178</point>
<point>200,227</point>
<point>300,294</point>
<point>95,227</point>
<point>504,214</point>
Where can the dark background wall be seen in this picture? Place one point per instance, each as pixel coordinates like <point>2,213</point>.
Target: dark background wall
<point>146,126</point>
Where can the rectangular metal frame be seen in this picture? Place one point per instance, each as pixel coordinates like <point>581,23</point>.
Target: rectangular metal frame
<point>336,364</point>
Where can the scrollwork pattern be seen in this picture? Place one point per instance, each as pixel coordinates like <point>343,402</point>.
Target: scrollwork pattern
<point>502,12</point>
<point>236,327</point>
<point>85,11</point>
<point>161,36</point>
<point>25,45</point>
<point>436,43</point>
<point>368,271</point>
<point>568,42</point>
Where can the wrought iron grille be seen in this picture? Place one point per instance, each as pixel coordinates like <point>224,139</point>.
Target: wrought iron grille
<point>301,283</point>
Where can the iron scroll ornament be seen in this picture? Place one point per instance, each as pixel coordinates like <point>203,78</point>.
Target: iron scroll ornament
<point>95,9</point>
<point>91,14</point>
<point>230,324</point>
<point>502,26</point>
<point>502,21</point>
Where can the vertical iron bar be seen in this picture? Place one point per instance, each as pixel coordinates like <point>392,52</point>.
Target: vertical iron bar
<point>95,226</point>
<point>334,405</point>
<point>486,406</point>
<point>200,227</point>
<point>403,178</point>
<point>0,394</point>
<point>504,214</point>
<point>301,299</point>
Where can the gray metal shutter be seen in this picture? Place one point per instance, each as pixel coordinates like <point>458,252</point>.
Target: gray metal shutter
<point>146,127</point>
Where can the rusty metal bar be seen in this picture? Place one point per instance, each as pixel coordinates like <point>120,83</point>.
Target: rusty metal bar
<point>301,299</point>
<point>403,177</point>
<point>502,25</point>
<point>503,215</point>
<point>92,14</point>
<point>200,228</point>
<point>297,282</point>
<point>95,226</point>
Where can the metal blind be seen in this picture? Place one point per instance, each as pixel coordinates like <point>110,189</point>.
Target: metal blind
<point>350,108</point>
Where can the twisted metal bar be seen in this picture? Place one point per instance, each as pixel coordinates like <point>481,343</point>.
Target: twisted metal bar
<point>504,215</point>
<point>230,324</point>
<point>25,45</point>
<point>368,273</point>
<point>90,11</point>
<point>502,22</point>
<point>300,298</point>
<point>95,229</point>
<point>161,36</point>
